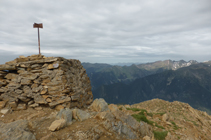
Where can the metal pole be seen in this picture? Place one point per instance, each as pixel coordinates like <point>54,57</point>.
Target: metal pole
<point>39,40</point>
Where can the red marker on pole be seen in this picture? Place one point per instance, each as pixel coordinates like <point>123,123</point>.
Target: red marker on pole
<point>38,25</point>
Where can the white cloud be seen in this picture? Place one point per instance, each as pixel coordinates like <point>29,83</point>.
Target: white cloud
<point>107,31</point>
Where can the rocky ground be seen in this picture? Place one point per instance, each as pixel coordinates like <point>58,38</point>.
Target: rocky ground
<point>179,119</point>
<point>100,121</point>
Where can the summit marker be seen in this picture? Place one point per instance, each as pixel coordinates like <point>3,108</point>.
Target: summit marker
<point>38,25</point>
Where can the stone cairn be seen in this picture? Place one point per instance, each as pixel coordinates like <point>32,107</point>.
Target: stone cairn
<point>37,81</point>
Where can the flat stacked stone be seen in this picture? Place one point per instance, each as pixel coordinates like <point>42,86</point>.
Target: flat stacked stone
<point>38,80</point>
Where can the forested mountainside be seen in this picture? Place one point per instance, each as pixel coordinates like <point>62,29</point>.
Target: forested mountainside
<point>105,74</point>
<point>190,84</point>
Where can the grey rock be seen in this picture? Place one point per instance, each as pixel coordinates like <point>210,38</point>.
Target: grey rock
<point>5,111</point>
<point>31,102</point>
<point>81,135</point>
<point>116,126</point>
<point>123,129</point>
<point>34,105</point>
<point>17,130</point>
<point>17,79</point>
<point>128,132</point>
<point>107,124</point>
<point>18,91</point>
<point>13,85</point>
<point>106,116</point>
<point>27,89</point>
<point>81,115</point>
<point>65,114</point>
<point>99,105</point>
<point>129,120</point>
<point>113,107</point>
<point>11,76</point>
<point>57,125</point>
<point>13,104</point>
<point>53,104</point>
<point>25,82</point>
<point>29,75</point>
<point>36,66</point>
<point>145,129</point>
<point>39,99</point>
<point>37,89</point>
<point>75,97</point>
<point>24,99</point>
<point>21,107</point>
<point>64,99</point>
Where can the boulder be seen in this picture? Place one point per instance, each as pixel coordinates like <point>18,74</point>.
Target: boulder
<point>99,105</point>
<point>5,111</point>
<point>113,107</point>
<point>105,116</point>
<point>122,129</point>
<point>17,130</point>
<point>145,129</point>
<point>129,120</point>
<point>57,125</point>
<point>128,132</point>
<point>80,115</point>
<point>65,114</point>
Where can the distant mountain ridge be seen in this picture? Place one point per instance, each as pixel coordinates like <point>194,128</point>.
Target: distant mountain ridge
<point>105,74</point>
<point>167,64</point>
<point>190,84</point>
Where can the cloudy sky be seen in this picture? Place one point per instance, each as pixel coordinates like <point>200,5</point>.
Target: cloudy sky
<point>107,31</point>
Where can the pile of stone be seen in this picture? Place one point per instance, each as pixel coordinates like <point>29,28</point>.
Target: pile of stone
<point>36,81</point>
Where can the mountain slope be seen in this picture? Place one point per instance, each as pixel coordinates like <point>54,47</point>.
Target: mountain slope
<point>90,68</point>
<point>167,64</point>
<point>104,74</point>
<point>150,120</point>
<point>179,119</point>
<point>189,84</point>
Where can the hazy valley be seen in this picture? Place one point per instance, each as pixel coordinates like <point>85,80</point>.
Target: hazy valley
<point>183,81</point>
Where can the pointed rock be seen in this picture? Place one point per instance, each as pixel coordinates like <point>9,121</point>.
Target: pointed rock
<point>99,105</point>
<point>57,125</point>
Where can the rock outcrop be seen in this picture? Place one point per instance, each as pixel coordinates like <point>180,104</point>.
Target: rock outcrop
<point>37,80</point>
<point>17,130</point>
<point>150,120</point>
